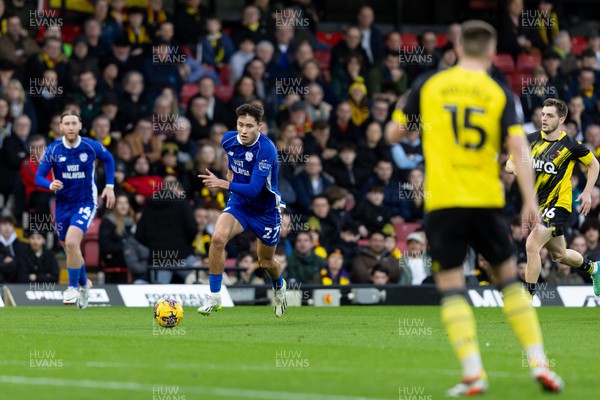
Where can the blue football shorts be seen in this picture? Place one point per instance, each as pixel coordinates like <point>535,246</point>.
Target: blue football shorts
<point>80,216</point>
<point>266,225</point>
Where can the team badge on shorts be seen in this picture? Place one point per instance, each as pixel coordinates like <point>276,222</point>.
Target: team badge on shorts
<point>249,156</point>
<point>83,157</point>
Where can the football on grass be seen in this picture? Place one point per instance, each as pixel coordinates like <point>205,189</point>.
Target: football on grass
<point>168,312</point>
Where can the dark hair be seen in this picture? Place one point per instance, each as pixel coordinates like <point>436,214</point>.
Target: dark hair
<point>36,138</point>
<point>347,146</point>
<point>561,106</point>
<point>477,37</point>
<point>379,268</point>
<point>320,125</point>
<point>587,53</point>
<point>251,110</point>
<point>335,193</point>
<point>376,233</point>
<point>320,196</point>
<point>67,113</point>
<point>9,219</point>
<point>590,224</point>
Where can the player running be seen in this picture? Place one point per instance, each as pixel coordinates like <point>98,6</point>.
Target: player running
<point>72,162</point>
<point>465,116</point>
<point>554,157</point>
<point>254,203</point>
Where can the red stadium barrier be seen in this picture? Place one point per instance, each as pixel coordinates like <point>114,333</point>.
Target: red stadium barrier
<point>409,40</point>
<point>224,92</point>
<point>330,39</point>
<point>442,39</point>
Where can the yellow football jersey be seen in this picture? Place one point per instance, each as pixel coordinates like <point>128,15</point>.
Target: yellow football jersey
<point>464,116</point>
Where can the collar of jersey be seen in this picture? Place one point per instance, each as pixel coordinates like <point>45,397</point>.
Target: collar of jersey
<point>562,135</point>
<point>250,145</point>
<point>66,144</point>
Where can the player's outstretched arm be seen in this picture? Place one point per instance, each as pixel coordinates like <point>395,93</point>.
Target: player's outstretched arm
<point>586,196</point>
<point>518,146</point>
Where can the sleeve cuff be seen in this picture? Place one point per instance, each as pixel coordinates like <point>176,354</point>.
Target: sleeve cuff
<point>110,185</point>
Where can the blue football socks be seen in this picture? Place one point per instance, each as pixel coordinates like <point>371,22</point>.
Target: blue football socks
<point>278,283</point>
<point>73,277</point>
<point>82,276</point>
<point>215,282</point>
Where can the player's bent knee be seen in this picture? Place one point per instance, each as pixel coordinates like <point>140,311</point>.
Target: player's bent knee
<point>558,257</point>
<point>72,245</point>
<point>218,240</point>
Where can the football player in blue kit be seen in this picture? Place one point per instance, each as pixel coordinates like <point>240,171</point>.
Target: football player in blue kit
<point>71,160</point>
<point>255,203</point>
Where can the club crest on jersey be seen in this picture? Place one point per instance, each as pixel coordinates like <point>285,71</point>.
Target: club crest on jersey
<point>264,165</point>
<point>230,153</point>
<point>62,159</point>
<point>83,157</point>
<point>249,156</point>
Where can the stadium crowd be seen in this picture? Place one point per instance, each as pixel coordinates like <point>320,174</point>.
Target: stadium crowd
<point>159,90</point>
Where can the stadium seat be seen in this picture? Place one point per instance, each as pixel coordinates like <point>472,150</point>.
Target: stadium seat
<point>402,246</point>
<point>230,262</point>
<point>578,44</point>
<point>188,91</point>
<point>409,40</point>
<point>505,63</point>
<point>225,74</point>
<point>517,80</point>
<point>90,247</point>
<point>442,39</point>
<point>224,92</point>
<point>527,62</point>
<point>330,39</point>
<point>109,271</point>
<point>404,229</point>
<point>323,58</point>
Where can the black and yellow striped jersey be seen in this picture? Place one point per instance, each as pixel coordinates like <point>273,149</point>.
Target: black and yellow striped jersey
<point>553,163</point>
<point>464,116</point>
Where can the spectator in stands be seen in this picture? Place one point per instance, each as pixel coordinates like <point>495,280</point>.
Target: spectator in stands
<point>118,13</point>
<point>110,109</point>
<point>392,41</point>
<point>579,244</point>
<point>133,103</point>
<point>156,16</point>
<point>591,230</point>
<point>164,68</point>
<point>415,260</point>
<point>414,195</point>
<point>579,117</point>
<point>122,58</point>
<point>546,25</point>
<point>371,213</point>
<point>7,72</point>
<point>512,195</point>
<point>368,257</point>
<point>143,142</point>
<point>536,121</point>
<point>383,176</point>
<point>317,109</point>
<point>88,98</point>
<point>551,63</point>
<point>320,142</point>
<point>136,32</point>
<point>14,262</point>
<point>244,91</point>
<point>323,222</point>
<point>217,46</point>
<point>371,36</point>
<point>588,60</point>
<point>372,147</point>
<point>167,227</point>
<point>347,242</point>
<point>5,120</point>
<point>351,44</point>
<point>20,104</point>
<point>250,26</point>
<point>389,72</point>
<point>592,139</point>
<point>101,132</point>
<point>169,166</point>
<point>512,36</point>
<point>80,61</point>
<point>92,34</point>
<point>201,242</point>
<point>333,273</point>
<point>344,170</point>
<point>265,90</point>
<point>109,27</point>
<point>408,153</point>
<point>564,275</point>
<point>311,73</point>
<point>197,113</point>
<point>593,43</point>
<point>345,74</point>
<point>585,87</point>
<point>118,246</point>
<point>302,53</point>
<point>563,46</point>
<point>310,182</point>
<point>50,57</point>
<point>249,275</point>
<point>190,22</point>
<point>47,97</point>
<point>16,45</point>
<point>37,198</point>
<point>284,47</point>
<point>187,148</point>
<point>342,127</point>
<point>538,89</point>
<point>423,58</point>
<point>303,263</point>
<point>14,150</point>
<point>241,57</point>
<point>43,266</point>
<point>359,102</point>
<point>380,275</point>
<point>142,183</point>
<point>217,110</point>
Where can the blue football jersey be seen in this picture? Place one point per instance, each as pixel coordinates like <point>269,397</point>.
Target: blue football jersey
<point>255,170</point>
<point>74,167</point>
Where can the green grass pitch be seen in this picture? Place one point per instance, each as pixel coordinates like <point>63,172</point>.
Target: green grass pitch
<point>345,353</point>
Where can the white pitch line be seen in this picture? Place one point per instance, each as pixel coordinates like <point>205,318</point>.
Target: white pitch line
<point>183,390</point>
